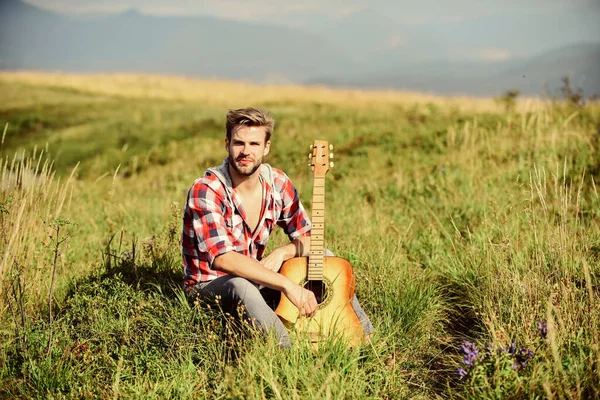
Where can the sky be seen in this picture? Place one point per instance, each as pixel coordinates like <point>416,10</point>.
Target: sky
<point>279,11</point>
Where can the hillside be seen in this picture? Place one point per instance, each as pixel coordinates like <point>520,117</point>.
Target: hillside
<point>472,232</point>
<point>539,75</point>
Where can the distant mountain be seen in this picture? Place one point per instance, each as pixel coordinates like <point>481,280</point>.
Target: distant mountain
<point>362,49</point>
<point>31,38</point>
<point>539,75</point>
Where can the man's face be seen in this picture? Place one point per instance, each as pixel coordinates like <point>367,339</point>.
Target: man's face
<point>247,148</point>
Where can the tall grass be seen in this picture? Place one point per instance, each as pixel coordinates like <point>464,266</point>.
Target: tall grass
<point>32,197</point>
<point>462,223</point>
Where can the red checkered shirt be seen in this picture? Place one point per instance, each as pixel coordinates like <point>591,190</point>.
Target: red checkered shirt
<point>214,220</point>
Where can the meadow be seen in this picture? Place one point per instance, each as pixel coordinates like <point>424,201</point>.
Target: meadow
<point>473,230</point>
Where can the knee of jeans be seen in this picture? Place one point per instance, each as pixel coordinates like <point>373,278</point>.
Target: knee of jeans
<point>241,289</point>
<point>328,253</point>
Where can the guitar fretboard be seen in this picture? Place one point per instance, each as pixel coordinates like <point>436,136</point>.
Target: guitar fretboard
<point>316,255</point>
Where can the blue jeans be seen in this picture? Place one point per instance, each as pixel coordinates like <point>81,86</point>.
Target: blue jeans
<point>258,304</point>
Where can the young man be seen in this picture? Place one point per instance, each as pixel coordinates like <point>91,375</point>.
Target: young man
<point>229,215</point>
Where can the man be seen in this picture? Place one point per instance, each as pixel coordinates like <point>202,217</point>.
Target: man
<point>229,215</point>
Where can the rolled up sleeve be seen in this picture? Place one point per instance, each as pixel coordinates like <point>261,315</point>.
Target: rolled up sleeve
<point>209,223</point>
<point>293,219</point>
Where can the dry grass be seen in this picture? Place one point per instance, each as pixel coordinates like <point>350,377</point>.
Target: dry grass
<point>233,94</point>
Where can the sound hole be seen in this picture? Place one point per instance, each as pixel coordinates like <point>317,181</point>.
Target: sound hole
<point>319,288</point>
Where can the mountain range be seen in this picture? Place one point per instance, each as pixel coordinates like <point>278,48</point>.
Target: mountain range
<point>365,50</point>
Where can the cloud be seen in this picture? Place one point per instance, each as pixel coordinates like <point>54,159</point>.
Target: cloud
<point>493,54</point>
<point>395,42</point>
<point>452,18</point>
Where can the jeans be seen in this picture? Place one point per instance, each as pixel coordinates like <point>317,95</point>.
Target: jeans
<point>258,304</point>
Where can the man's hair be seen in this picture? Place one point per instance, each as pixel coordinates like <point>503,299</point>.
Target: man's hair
<point>250,117</point>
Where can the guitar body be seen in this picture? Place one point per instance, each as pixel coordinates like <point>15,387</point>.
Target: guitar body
<point>335,317</point>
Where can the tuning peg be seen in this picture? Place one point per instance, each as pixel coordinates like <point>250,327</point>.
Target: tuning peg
<point>309,164</point>
<point>331,164</point>
<point>330,155</point>
<point>309,156</point>
<point>330,147</point>
<point>311,146</point>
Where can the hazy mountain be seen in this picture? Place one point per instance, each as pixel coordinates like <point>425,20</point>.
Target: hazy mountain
<point>364,49</point>
<point>537,75</point>
<point>581,63</point>
<point>200,46</point>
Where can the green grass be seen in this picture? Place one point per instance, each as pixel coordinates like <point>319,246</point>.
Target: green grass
<point>460,225</point>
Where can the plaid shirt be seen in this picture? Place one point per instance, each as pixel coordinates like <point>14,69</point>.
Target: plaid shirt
<point>214,220</point>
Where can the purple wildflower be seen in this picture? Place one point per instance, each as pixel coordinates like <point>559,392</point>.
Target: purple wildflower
<point>462,374</point>
<point>469,352</point>
<point>542,329</point>
<point>513,348</point>
<point>525,353</point>
<point>128,255</point>
<point>518,365</point>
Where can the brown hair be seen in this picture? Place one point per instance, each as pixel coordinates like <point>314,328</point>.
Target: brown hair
<point>250,117</point>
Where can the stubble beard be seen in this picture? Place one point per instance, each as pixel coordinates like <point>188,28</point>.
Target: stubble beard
<point>237,169</point>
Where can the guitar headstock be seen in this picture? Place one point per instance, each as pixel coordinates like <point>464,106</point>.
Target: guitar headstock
<point>320,157</point>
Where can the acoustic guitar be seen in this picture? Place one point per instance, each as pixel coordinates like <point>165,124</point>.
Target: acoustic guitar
<point>329,278</point>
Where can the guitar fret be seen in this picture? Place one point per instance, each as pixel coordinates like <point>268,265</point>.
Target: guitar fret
<point>316,254</point>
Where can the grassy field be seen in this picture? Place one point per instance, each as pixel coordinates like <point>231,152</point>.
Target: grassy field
<point>474,234</point>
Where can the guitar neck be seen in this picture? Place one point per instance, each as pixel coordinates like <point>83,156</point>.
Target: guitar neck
<point>317,248</point>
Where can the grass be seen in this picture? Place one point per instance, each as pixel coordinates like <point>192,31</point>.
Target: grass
<point>463,223</point>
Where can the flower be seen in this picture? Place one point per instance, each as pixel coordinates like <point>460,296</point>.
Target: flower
<point>542,329</point>
<point>525,353</point>
<point>517,365</point>
<point>462,374</point>
<point>513,348</point>
<point>470,353</point>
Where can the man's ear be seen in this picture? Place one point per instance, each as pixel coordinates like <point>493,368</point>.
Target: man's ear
<point>267,147</point>
<point>227,145</point>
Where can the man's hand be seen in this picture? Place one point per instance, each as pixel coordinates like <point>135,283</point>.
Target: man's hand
<point>303,299</point>
<point>274,260</point>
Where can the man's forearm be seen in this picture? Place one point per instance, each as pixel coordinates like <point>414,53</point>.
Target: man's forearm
<point>246,267</point>
<point>297,248</point>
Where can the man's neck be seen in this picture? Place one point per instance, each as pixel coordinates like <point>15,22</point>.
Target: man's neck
<point>244,183</point>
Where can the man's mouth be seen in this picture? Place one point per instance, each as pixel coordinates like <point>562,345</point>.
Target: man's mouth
<point>244,161</point>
